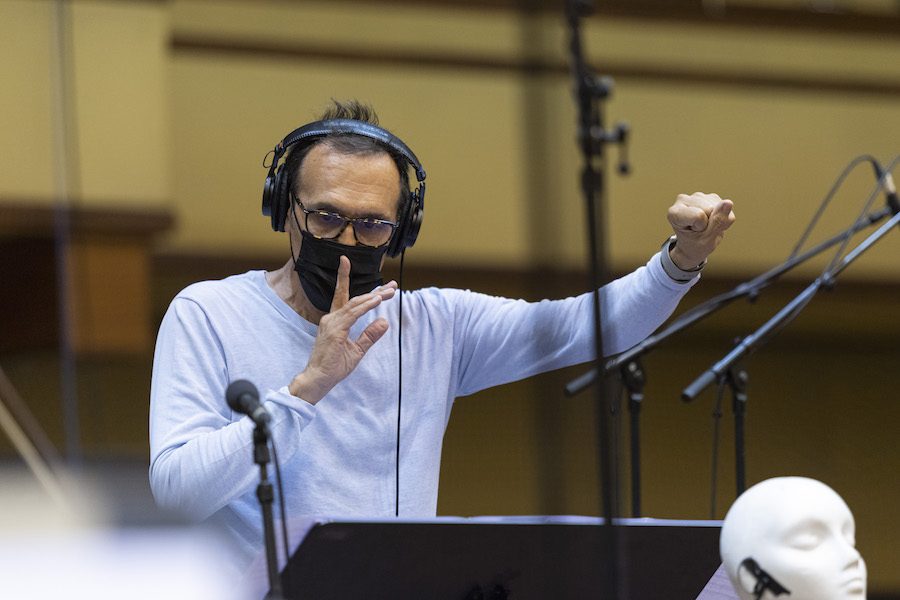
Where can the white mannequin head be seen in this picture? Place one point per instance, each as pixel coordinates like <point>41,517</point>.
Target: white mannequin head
<point>801,533</point>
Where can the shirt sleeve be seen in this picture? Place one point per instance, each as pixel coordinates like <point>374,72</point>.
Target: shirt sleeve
<point>499,340</point>
<point>201,453</point>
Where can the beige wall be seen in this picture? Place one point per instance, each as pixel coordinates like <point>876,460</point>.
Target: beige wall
<point>26,118</point>
<point>86,87</point>
<point>776,150</point>
<point>160,124</point>
<point>157,117</point>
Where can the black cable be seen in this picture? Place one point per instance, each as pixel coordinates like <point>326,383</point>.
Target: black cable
<point>828,197</point>
<point>865,211</point>
<point>399,384</point>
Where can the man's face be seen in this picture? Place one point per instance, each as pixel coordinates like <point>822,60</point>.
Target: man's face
<point>802,533</point>
<point>352,185</point>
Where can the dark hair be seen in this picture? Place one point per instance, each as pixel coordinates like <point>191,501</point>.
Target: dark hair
<point>348,143</point>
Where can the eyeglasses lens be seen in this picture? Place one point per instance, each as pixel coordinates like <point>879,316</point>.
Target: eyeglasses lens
<point>368,231</point>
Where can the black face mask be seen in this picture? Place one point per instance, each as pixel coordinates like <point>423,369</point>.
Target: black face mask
<point>317,266</point>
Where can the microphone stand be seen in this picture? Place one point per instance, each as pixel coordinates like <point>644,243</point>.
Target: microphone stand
<point>264,492</point>
<point>749,289</point>
<point>632,373</point>
<point>722,370</point>
<point>749,343</point>
<point>593,138</point>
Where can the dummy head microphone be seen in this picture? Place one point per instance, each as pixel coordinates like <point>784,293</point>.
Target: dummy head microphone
<point>243,397</point>
<point>764,581</point>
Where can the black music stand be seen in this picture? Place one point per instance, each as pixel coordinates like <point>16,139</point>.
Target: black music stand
<point>502,558</point>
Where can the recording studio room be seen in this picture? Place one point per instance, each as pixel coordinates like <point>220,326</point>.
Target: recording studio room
<point>138,136</point>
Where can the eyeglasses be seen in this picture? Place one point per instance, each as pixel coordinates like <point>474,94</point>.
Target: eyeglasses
<point>328,225</point>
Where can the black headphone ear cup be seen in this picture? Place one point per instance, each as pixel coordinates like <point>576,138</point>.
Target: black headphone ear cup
<point>280,200</point>
<point>268,194</point>
<point>415,223</point>
<point>408,227</point>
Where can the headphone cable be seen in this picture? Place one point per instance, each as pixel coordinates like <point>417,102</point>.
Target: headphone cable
<point>399,385</point>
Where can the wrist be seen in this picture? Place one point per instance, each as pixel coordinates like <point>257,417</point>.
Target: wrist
<point>669,254</point>
<point>304,387</point>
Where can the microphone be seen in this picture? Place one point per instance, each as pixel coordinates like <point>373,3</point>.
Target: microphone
<point>243,397</point>
<point>887,184</point>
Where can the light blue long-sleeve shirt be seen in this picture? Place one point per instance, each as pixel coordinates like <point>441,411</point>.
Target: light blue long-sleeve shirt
<point>338,457</point>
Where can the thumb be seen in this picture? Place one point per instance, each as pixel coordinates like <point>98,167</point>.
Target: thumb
<point>722,216</point>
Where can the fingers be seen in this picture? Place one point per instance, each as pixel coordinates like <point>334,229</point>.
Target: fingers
<point>699,220</point>
<point>372,334</point>
<point>696,212</point>
<point>689,218</point>
<point>342,288</point>
<point>335,355</point>
<point>342,319</point>
<point>360,305</point>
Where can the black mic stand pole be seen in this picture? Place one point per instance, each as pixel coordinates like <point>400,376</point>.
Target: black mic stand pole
<point>593,137</point>
<point>737,380</point>
<point>264,492</point>
<point>634,379</point>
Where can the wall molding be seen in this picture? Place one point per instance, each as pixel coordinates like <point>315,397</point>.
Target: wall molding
<point>186,44</point>
<point>838,20</point>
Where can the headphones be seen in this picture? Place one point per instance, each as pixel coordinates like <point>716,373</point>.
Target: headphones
<point>276,193</point>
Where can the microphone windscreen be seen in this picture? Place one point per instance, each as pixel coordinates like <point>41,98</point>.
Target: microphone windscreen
<point>237,393</point>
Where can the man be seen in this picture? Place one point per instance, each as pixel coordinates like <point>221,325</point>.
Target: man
<point>333,386</point>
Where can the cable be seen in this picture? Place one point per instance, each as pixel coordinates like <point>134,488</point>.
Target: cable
<point>830,269</point>
<point>284,531</point>
<point>399,386</point>
<point>864,214</point>
<point>828,197</point>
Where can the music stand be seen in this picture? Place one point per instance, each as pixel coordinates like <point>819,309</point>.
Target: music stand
<point>522,558</point>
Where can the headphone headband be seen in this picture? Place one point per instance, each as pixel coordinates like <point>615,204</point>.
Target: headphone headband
<point>320,129</point>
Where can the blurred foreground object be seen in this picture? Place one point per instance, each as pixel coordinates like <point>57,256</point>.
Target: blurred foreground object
<point>73,551</point>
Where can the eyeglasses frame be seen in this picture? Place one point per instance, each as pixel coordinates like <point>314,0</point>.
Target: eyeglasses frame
<point>347,221</point>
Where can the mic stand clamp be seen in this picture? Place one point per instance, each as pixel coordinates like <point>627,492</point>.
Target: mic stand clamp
<point>266,496</point>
